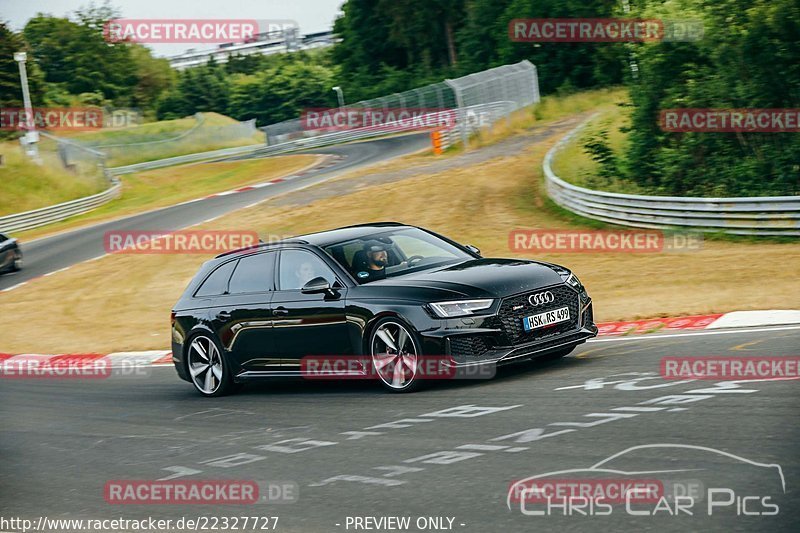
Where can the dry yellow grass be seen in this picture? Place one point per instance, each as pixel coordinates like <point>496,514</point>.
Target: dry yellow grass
<point>123,302</point>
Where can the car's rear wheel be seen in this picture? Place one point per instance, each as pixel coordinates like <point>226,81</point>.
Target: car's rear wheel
<point>208,371</point>
<point>395,355</point>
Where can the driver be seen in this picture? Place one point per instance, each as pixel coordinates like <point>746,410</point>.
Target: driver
<point>377,259</point>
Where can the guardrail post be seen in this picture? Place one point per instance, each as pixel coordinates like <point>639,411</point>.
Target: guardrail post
<point>462,112</point>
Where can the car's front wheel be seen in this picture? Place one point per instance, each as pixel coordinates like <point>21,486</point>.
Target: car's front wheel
<point>209,373</point>
<point>395,355</point>
<point>17,264</point>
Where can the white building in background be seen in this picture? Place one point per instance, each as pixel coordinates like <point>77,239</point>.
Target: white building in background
<point>274,42</point>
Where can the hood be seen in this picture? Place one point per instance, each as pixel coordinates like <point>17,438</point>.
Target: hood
<point>480,278</point>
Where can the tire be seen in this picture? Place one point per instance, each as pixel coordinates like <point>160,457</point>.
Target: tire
<point>394,351</point>
<point>208,370</point>
<point>16,265</point>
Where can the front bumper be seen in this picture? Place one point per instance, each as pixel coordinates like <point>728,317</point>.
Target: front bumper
<point>531,350</point>
<point>499,338</point>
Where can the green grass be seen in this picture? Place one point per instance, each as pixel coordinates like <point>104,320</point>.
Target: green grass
<point>549,109</point>
<point>214,133</point>
<point>26,185</point>
<point>574,164</point>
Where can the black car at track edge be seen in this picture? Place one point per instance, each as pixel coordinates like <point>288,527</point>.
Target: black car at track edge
<point>10,254</point>
<point>389,293</point>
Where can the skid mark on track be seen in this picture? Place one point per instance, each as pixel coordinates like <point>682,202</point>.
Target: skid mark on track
<point>214,412</point>
<point>745,346</point>
<point>597,353</point>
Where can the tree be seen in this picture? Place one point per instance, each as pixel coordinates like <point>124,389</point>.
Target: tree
<point>575,65</point>
<point>153,77</point>
<point>747,58</point>
<point>10,90</point>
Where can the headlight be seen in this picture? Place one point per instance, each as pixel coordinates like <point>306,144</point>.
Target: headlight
<point>573,281</point>
<point>460,307</point>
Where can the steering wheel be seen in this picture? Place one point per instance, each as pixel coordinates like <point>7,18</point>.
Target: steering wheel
<point>414,258</point>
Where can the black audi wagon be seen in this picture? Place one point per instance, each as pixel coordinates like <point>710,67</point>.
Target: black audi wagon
<point>377,301</point>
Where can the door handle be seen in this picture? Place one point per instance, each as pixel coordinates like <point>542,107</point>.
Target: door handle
<point>223,315</point>
<point>280,311</point>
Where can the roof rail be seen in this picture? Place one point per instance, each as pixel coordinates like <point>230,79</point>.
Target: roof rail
<point>387,223</point>
<point>261,245</point>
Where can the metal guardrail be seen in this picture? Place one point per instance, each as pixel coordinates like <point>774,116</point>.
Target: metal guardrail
<point>54,213</point>
<point>755,215</point>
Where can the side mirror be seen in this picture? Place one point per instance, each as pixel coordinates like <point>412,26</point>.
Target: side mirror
<point>473,249</point>
<point>316,285</point>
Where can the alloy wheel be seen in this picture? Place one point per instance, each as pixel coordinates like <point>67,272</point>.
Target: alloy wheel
<point>394,355</point>
<point>205,365</point>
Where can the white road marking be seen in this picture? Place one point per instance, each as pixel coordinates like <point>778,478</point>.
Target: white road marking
<point>56,271</point>
<point>11,288</point>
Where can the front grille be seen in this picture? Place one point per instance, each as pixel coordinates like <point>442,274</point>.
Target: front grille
<point>511,318</point>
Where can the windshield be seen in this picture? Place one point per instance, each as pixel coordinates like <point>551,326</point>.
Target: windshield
<point>394,253</point>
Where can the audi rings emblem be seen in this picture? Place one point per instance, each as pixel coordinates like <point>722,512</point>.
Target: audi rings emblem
<point>541,298</point>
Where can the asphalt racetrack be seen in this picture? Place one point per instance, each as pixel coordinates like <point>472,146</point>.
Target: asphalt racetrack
<point>347,452</point>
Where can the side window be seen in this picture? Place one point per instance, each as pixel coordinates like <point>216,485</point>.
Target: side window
<point>217,282</point>
<point>299,267</point>
<point>254,273</point>
<point>3,238</point>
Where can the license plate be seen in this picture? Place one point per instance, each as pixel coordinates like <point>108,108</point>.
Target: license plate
<point>547,318</point>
